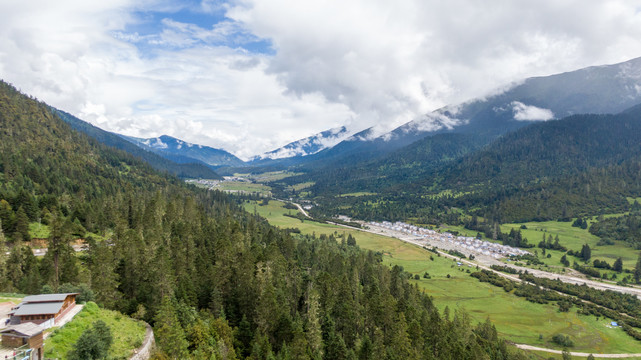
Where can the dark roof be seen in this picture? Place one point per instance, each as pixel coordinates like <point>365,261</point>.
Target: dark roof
<point>38,308</point>
<point>46,297</point>
<point>28,329</point>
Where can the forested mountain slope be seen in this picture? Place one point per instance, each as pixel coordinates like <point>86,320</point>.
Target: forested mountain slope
<point>184,167</point>
<point>409,164</point>
<point>556,169</point>
<point>213,280</point>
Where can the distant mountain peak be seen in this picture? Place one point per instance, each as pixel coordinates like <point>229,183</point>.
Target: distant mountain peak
<point>309,145</point>
<point>182,151</point>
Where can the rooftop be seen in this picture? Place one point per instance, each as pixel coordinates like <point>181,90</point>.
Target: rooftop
<point>28,329</point>
<point>46,297</point>
<point>38,308</point>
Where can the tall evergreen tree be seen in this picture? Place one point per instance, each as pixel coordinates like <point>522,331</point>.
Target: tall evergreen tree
<point>22,224</point>
<point>104,280</point>
<point>313,325</point>
<point>3,260</point>
<point>637,270</point>
<point>59,247</point>
<point>618,265</point>
<point>7,217</point>
<point>93,344</point>
<point>169,333</point>
<point>586,252</point>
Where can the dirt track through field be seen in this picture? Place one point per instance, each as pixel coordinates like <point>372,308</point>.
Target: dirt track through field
<point>610,356</point>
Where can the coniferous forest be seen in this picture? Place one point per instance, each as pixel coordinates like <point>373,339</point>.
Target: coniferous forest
<point>213,281</point>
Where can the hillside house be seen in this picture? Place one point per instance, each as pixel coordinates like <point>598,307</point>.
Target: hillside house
<point>45,310</point>
<point>27,335</point>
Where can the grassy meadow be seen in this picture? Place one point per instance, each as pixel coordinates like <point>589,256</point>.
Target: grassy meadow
<point>128,334</point>
<point>573,238</point>
<point>515,318</point>
<point>246,187</point>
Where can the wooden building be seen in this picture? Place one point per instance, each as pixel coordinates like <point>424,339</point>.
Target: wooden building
<point>29,334</point>
<point>44,309</point>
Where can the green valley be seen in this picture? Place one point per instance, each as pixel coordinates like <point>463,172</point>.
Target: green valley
<point>452,286</point>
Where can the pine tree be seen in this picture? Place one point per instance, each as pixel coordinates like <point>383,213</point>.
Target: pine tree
<point>93,344</point>
<point>313,326</point>
<point>7,217</point>
<point>22,224</point>
<point>3,260</point>
<point>103,277</point>
<point>59,248</point>
<point>618,265</point>
<point>637,270</point>
<point>586,252</point>
<point>170,336</point>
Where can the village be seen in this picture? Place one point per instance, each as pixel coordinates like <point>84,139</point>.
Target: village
<point>445,240</point>
<point>214,184</point>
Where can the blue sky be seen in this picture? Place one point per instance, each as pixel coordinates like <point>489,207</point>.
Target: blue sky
<point>250,76</point>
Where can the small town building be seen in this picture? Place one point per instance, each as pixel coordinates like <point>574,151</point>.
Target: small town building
<point>44,309</point>
<point>27,335</point>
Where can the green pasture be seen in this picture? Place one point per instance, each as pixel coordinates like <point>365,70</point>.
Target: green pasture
<point>358,194</point>
<point>301,186</point>
<point>516,319</point>
<point>246,187</point>
<point>128,334</point>
<point>269,176</point>
<point>573,238</point>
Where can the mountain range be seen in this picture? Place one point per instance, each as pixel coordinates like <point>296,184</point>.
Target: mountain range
<point>606,89</point>
<point>186,169</point>
<point>470,125</point>
<point>183,152</point>
<point>307,146</point>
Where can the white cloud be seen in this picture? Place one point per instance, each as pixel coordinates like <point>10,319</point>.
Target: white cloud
<point>524,112</point>
<point>360,63</point>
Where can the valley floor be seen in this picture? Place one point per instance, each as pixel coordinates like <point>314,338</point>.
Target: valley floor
<point>486,261</point>
<point>516,319</point>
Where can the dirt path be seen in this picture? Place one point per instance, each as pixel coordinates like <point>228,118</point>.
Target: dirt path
<point>610,356</point>
<point>302,210</point>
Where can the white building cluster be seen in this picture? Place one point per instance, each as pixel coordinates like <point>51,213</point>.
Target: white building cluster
<point>448,241</point>
<point>210,184</point>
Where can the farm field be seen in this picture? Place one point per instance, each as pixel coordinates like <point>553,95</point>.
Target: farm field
<point>515,318</point>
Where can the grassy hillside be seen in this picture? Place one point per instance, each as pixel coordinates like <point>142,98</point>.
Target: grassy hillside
<point>128,334</point>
